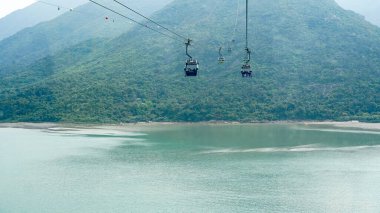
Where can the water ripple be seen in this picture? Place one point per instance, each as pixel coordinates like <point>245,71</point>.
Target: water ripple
<point>303,148</point>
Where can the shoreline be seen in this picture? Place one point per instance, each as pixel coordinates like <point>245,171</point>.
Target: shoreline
<point>346,124</point>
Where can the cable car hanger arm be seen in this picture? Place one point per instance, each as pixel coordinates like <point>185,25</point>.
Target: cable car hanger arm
<point>188,43</point>
<point>248,54</point>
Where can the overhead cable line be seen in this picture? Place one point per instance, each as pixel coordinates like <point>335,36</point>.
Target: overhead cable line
<point>236,20</point>
<point>50,4</point>
<point>67,8</point>
<point>57,6</point>
<point>232,40</point>
<point>191,65</point>
<point>130,19</point>
<point>246,25</point>
<point>149,19</point>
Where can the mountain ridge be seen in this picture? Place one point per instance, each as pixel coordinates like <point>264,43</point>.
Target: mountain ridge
<point>85,22</point>
<point>32,15</point>
<point>312,61</point>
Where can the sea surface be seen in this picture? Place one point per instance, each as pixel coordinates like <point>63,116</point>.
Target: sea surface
<point>190,168</point>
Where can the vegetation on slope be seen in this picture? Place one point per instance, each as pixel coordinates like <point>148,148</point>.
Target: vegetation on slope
<point>312,59</point>
<point>85,22</point>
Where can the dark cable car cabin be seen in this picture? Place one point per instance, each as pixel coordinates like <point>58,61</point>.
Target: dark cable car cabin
<point>191,68</point>
<point>191,65</point>
<point>221,60</point>
<point>246,71</point>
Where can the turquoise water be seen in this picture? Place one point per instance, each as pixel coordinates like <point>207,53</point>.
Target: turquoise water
<point>190,168</point>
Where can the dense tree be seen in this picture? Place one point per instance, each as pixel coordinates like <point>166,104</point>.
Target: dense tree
<point>312,61</point>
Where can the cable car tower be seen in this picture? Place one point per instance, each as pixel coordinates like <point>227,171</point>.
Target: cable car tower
<point>246,71</point>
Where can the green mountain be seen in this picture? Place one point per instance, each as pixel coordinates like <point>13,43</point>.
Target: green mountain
<point>312,61</point>
<point>32,15</point>
<point>85,22</point>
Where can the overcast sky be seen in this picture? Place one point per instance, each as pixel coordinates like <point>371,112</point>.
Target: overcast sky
<point>369,8</point>
<point>8,6</point>
<point>357,4</point>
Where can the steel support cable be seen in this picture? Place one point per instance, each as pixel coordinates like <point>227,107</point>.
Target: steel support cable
<point>149,19</point>
<point>141,24</point>
<point>50,4</point>
<point>67,8</point>
<point>213,42</point>
<point>236,20</point>
<point>246,34</point>
<point>246,25</point>
<point>59,6</point>
<point>235,25</point>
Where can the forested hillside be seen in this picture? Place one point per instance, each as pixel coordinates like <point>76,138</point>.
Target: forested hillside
<point>83,23</point>
<point>312,61</point>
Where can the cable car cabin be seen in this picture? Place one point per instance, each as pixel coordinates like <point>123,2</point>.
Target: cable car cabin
<point>246,71</point>
<point>191,68</point>
<point>221,60</point>
<point>229,49</point>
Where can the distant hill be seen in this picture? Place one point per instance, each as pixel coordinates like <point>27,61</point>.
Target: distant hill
<point>88,21</point>
<point>32,15</point>
<point>312,61</point>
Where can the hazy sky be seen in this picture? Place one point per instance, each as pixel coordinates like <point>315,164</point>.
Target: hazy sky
<point>359,4</point>
<point>369,8</point>
<point>8,6</point>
